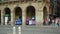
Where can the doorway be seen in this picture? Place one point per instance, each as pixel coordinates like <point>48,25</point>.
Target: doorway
<point>18,16</point>
<point>44,15</point>
<point>0,17</point>
<point>7,16</point>
<point>30,15</point>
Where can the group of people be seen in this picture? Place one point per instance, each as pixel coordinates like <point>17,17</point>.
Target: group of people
<point>56,21</point>
<point>18,21</point>
<point>30,21</point>
<point>49,21</point>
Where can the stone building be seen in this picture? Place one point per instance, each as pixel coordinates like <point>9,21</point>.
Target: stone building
<point>23,9</point>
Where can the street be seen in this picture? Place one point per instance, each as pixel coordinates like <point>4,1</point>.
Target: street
<point>30,29</point>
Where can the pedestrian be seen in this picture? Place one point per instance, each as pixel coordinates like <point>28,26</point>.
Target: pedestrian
<point>53,21</point>
<point>27,21</point>
<point>49,21</point>
<point>18,21</point>
<point>46,21</point>
<point>56,22</point>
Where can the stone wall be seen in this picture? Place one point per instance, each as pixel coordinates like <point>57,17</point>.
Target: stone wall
<point>23,6</point>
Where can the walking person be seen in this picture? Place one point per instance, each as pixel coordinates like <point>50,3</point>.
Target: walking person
<point>57,21</point>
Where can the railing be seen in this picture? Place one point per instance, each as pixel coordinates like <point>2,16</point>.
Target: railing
<point>8,0</point>
<point>19,0</point>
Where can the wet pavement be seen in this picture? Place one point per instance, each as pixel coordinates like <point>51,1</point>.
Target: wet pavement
<point>31,29</point>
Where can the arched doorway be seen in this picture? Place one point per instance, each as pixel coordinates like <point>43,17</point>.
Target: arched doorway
<point>44,12</point>
<point>44,15</point>
<point>7,16</point>
<point>18,16</point>
<point>0,17</point>
<point>30,15</point>
<point>58,12</point>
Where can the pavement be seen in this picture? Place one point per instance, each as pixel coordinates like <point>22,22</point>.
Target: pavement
<point>41,30</point>
<point>30,29</point>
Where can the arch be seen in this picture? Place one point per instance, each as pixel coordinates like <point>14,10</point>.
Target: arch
<point>7,16</point>
<point>57,11</point>
<point>0,17</point>
<point>18,14</point>
<point>30,14</point>
<point>44,14</point>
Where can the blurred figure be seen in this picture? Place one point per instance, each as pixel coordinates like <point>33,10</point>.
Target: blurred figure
<point>53,21</point>
<point>57,21</point>
<point>18,21</point>
<point>27,21</point>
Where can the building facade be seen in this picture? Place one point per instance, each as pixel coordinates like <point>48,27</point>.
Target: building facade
<point>24,9</point>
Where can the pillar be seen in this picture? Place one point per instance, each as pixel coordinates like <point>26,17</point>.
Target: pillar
<point>23,17</point>
<point>48,10</point>
<point>12,17</point>
<point>2,15</point>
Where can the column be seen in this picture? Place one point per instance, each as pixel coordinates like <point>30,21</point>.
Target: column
<point>2,15</point>
<point>12,17</point>
<point>48,10</point>
<point>23,17</point>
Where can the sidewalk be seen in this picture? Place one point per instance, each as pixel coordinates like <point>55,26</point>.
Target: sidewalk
<point>37,25</point>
